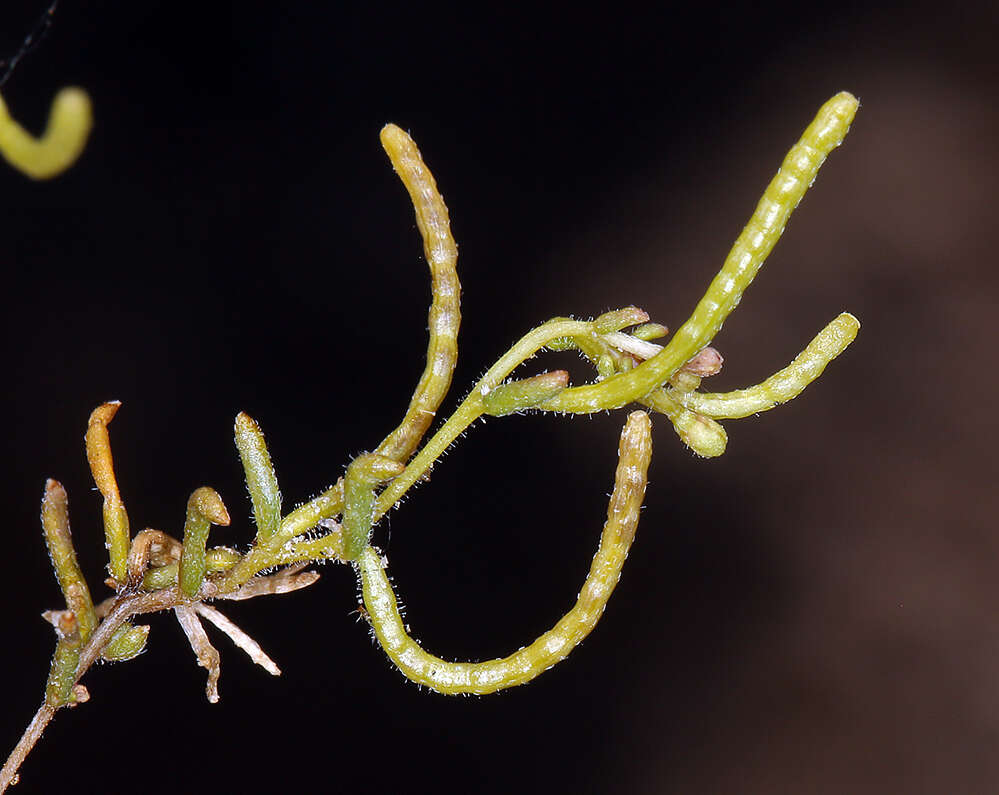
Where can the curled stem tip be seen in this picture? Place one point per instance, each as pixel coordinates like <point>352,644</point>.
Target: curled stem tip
<point>69,124</point>
<point>116,527</point>
<point>204,508</point>
<point>705,363</point>
<point>151,548</point>
<point>99,447</point>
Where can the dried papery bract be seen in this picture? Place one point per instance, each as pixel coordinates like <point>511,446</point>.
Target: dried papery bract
<point>240,638</point>
<point>706,363</point>
<point>116,530</point>
<point>634,452</point>
<point>151,547</point>
<point>208,657</point>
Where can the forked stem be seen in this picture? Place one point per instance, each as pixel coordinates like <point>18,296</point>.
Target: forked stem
<point>154,572</point>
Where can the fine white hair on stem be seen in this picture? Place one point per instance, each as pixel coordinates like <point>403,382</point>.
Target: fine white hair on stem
<point>418,665</point>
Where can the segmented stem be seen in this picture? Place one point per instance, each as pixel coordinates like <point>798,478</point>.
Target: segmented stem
<point>445,311</point>
<point>522,666</point>
<point>59,540</point>
<point>260,478</point>
<point>177,578</point>
<point>783,385</point>
<point>744,261</point>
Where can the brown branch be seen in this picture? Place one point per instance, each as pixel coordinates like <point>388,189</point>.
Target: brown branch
<point>119,609</point>
<point>31,736</point>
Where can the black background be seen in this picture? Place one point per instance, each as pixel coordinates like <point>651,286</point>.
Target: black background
<point>813,612</point>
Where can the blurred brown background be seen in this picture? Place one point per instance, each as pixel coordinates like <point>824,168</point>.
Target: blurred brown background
<point>814,612</point>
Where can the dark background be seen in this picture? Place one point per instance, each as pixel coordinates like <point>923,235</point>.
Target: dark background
<point>814,612</point>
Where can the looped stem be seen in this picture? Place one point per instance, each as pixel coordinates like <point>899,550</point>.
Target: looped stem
<point>635,451</point>
<point>70,120</point>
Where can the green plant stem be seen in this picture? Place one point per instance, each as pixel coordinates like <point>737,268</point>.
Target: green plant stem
<point>472,407</point>
<point>260,478</point>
